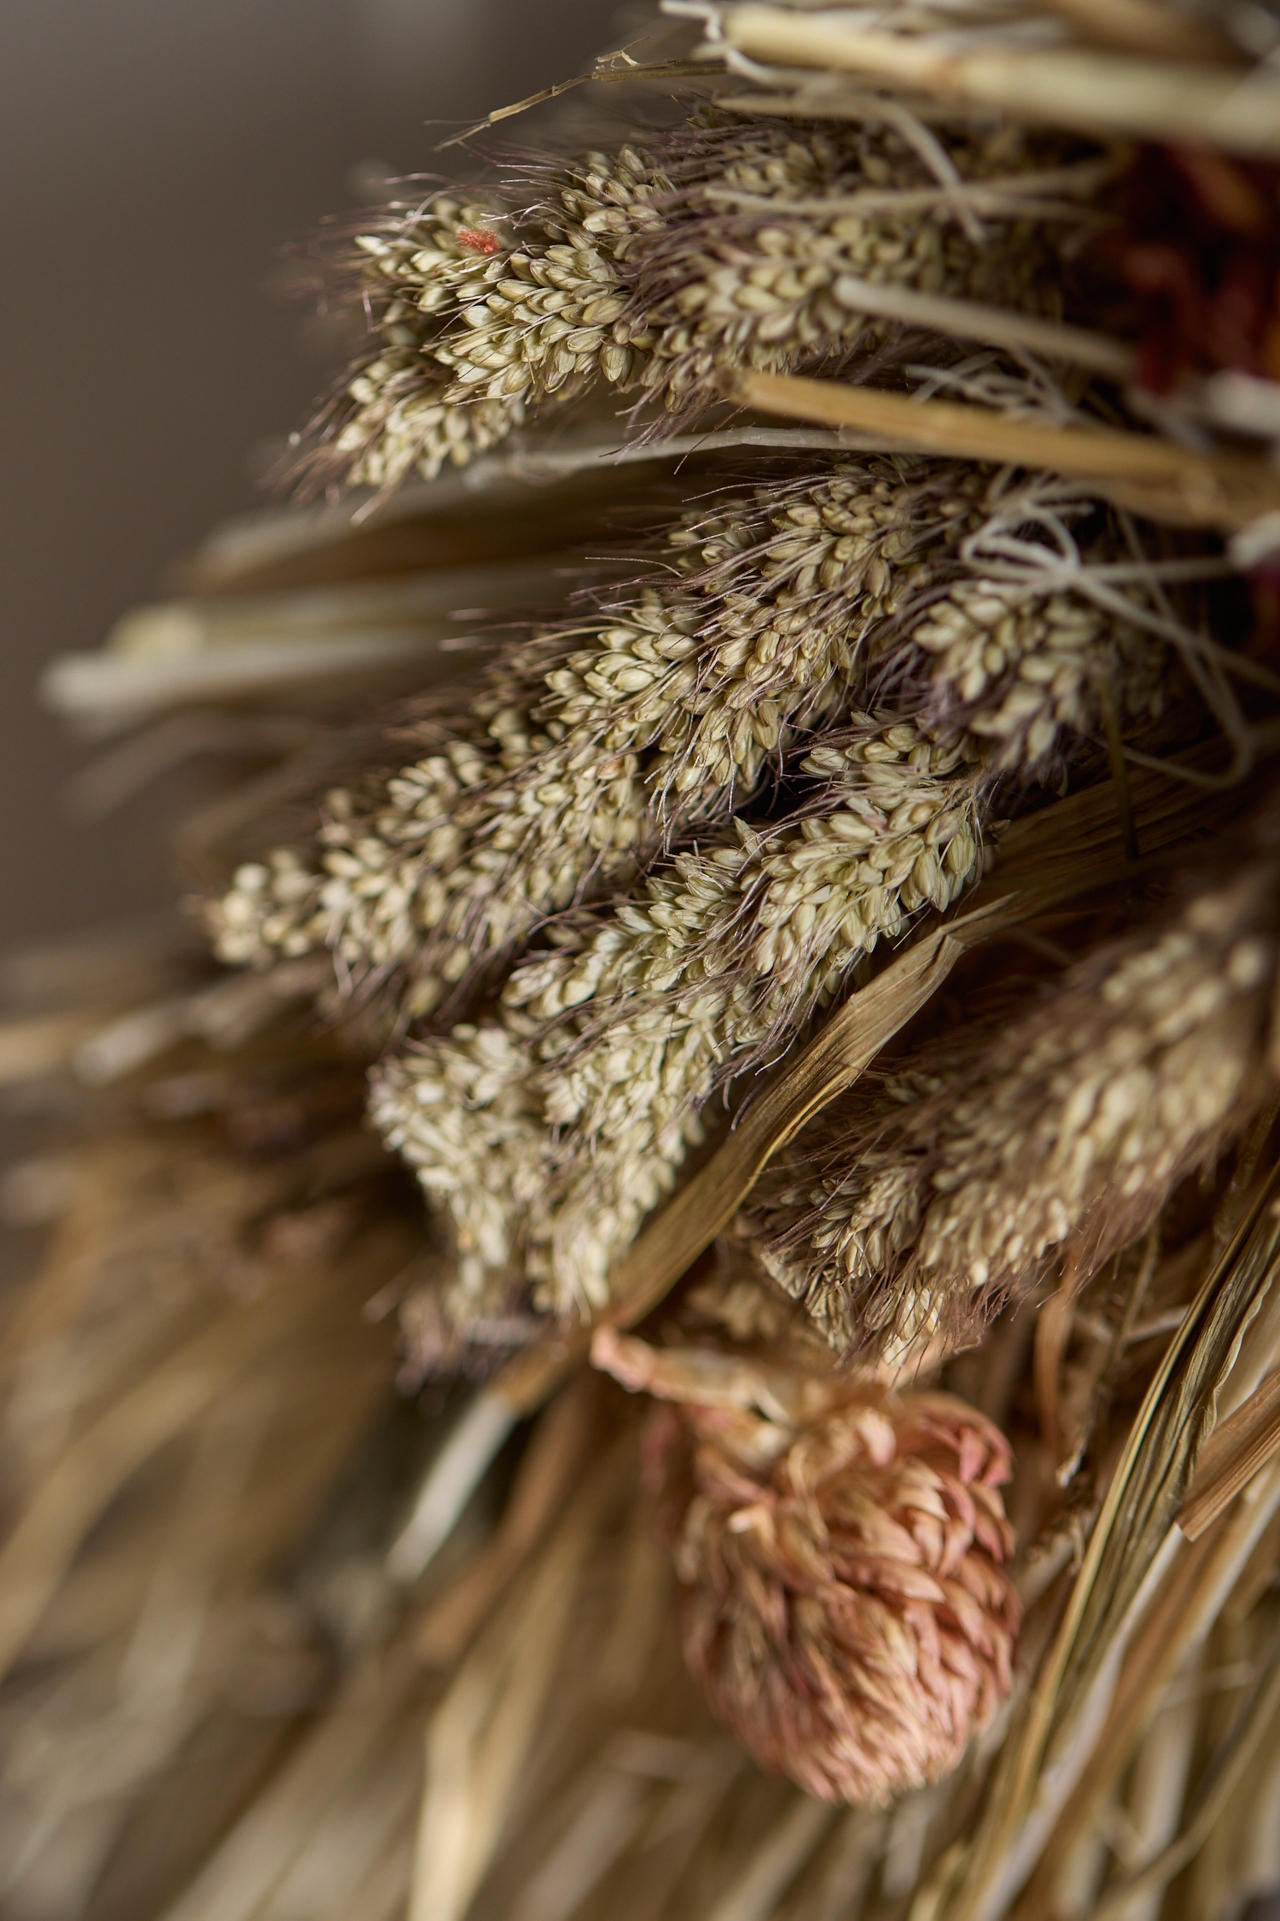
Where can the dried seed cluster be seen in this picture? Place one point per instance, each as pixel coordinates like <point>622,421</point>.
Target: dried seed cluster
<point>1054,1137</point>
<point>837,628</point>
<point>843,1599</point>
<point>632,1018</point>
<point>574,766</point>
<point>1019,668</point>
<point>662,710</point>
<point>606,737</point>
<point>486,1171</point>
<point>655,269</point>
<point>482,311</point>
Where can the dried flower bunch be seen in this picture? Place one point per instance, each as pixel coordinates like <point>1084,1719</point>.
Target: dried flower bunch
<point>588,860</point>
<point>549,1131</point>
<point>724,243</point>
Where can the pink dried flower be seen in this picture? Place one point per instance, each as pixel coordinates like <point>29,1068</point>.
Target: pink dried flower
<point>843,1595</point>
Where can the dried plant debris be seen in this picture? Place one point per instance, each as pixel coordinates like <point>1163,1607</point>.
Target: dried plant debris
<point>184,1378</point>
<point>727,243</point>
<point>1050,1136</point>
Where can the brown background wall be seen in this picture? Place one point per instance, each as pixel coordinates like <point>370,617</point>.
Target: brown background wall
<point>154,155</point>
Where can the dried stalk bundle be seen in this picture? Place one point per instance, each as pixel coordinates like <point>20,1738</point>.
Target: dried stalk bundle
<point>183,1381</point>
<point>1063,85</point>
<point>721,244</point>
<point>568,1758</point>
<point>960,1503</point>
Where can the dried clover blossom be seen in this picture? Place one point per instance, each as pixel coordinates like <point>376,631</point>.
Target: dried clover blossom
<point>840,1552</point>
<point>723,243</point>
<point>1056,1136</point>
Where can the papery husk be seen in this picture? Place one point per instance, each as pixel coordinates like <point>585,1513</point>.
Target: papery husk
<point>280,1642</point>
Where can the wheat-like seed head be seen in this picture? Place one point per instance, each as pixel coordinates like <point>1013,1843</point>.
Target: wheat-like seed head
<point>484,310</point>
<point>1021,668</point>
<point>655,269</point>
<point>471,1125</point>
<point>610,733</point>
<point>1055,1136</point>
<point>631,1020</point>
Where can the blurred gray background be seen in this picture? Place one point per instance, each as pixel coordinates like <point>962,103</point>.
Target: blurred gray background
<point>156,155</point>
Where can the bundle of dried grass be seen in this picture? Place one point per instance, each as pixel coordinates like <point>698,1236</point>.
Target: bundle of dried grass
<point>819,904</point>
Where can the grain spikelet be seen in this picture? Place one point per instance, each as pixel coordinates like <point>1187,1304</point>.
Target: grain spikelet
<point>1054,1136</point>
<point>652,269</point>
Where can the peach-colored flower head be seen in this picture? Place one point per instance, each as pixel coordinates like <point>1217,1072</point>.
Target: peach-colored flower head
<point>843,1595</point>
